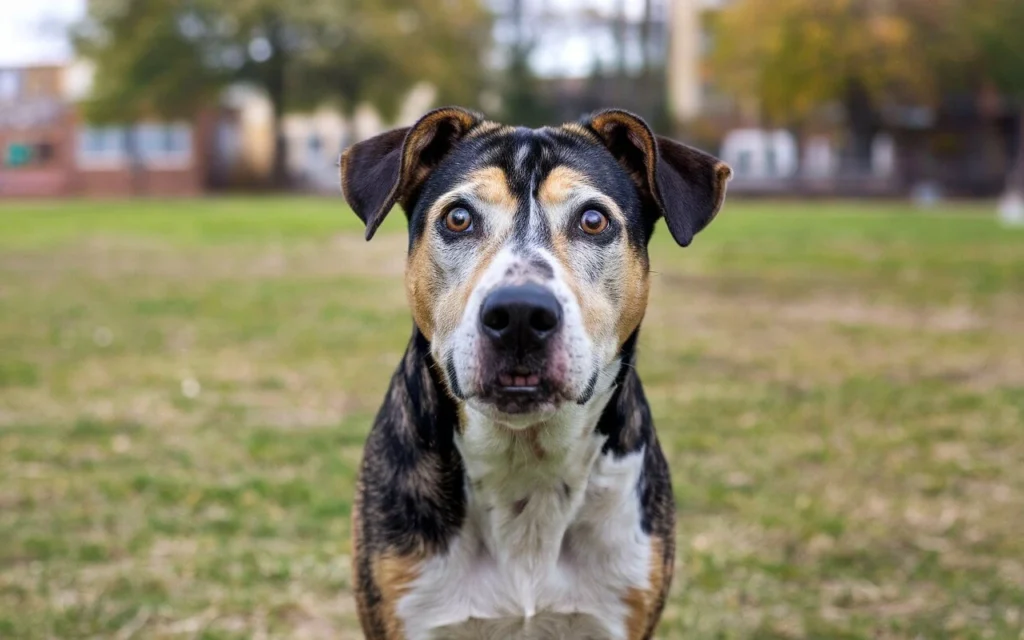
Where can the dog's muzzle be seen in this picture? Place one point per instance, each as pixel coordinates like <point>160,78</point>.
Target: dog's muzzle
<point>519,324</point>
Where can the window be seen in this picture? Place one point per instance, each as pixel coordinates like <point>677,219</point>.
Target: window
<point>18,155</point>
<point>10,84</point>
<point>26,154</point>
<point>744,163</point>
<point>771,161</point>
<point>44,152</point>
<point>156,145</point>
<point>161,144</point>
<point>101,146</point>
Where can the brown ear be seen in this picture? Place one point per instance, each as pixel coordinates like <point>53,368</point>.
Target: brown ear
<point>392,167</point>
<point>687,186</point>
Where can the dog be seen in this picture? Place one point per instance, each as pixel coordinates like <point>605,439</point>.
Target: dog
<point>512,485</point>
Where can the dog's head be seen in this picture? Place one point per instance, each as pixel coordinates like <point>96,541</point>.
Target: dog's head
<point>527,268</point>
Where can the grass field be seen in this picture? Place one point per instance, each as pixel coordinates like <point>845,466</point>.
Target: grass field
<point>185,388</point>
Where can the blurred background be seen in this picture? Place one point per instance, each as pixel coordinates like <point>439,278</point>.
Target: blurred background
<point>854,98</point>
<point>194,336</point>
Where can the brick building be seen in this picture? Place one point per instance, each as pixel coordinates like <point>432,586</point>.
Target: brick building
<point>48,150</point>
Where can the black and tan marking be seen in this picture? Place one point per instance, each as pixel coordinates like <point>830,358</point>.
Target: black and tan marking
<point>526,189</point>
<point>410,501</point>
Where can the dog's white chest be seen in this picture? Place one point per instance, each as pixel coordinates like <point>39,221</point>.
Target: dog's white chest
<point>546,553</point>
<point>545,626</point>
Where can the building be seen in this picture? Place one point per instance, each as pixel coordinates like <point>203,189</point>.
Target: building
<point>765,160</point>
<point>314,140</point>
<point>48,150</point>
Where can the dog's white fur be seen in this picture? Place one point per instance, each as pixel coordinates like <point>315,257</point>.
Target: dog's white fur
<point>554,566</point>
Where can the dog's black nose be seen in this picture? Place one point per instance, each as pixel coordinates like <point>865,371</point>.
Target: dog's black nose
<point>520,318</point>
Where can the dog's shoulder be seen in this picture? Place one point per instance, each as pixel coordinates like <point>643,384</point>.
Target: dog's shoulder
<point>409,500</point>
<point>629,425</point>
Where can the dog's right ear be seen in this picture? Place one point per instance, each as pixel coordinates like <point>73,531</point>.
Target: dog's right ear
<point>392,167</point>
<point>687,186</point>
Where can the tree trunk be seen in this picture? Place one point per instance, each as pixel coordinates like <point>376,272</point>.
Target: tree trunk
<point>1015,176</point>
<point>1011,205</point>
<point>279,163</point>
<point>275,86</point>
<point>619,27</point>
<point>797,179</point>
<point>131,142</point>
<point>652,86</point>
<point>862,144</point>
<point>646,44</point>
<point>862,127</point>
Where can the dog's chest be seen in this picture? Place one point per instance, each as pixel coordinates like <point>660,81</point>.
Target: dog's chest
<point>550,550</point>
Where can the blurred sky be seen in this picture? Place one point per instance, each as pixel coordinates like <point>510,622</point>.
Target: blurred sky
<point>27,31</point>
<point>30,33</point>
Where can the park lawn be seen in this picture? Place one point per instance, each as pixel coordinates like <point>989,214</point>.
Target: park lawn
<point>185,388</point>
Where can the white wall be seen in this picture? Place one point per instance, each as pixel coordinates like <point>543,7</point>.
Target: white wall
<point>315,140</point>
<point>760,154</point>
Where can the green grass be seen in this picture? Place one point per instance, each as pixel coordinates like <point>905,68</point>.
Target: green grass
<point>185,387</point>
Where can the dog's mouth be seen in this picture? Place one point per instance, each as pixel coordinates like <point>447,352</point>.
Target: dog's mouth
<point>521,390</point>
<point>519,381</point>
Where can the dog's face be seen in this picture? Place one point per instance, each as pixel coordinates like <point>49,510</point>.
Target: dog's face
<point>527,267</point>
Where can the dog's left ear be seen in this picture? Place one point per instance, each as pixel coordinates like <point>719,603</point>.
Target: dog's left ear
<point>392,167</point>
<point>687,186</point>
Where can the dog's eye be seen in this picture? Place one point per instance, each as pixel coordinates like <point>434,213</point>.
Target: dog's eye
<point>593,222</point>
<point>458,220</point>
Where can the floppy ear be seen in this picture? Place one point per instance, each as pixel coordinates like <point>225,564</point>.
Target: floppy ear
<point>392,167</point>
<point>686,186</point>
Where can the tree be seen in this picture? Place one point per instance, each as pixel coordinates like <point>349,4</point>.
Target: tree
<point>975,50</point>
<point>992,58</point>
<point>522,98</point>
<point>794,57</point>
<point>166,58</point>
<point>134,78</point>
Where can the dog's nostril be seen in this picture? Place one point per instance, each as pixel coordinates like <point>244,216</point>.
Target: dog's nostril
<point>496,318</point>
<point>543,319</point>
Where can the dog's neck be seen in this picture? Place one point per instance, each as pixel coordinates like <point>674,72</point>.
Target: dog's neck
<point>526,487</point>
<point>496,476</point>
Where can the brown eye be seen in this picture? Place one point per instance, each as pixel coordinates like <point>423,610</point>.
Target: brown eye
<point>458,220</point>
<point>593,222</point>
